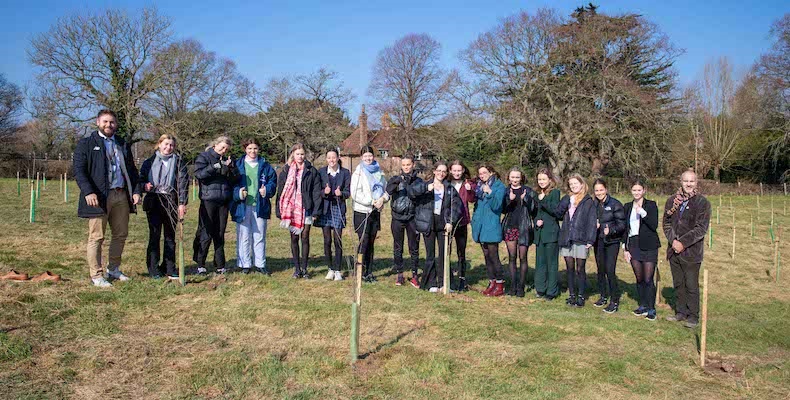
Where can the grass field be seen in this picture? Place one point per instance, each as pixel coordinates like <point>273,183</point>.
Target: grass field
<point>251,336</point>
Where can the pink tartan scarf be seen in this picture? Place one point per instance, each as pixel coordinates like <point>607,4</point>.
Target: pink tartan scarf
<point>291,209</point>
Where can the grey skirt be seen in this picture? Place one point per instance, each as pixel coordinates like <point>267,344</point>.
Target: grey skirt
<point>575,251</point>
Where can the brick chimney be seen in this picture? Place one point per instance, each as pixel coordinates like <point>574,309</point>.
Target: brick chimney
<point>386,122</point>
<point>363,128</point>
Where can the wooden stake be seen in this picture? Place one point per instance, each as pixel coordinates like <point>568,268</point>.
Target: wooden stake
<point>776,254</point>
<point>446,272</point>
<point>18,185</point>
<point>717,215</point>
<point>704,335</point>
<point>733,234</point>
<point>65,188</point>
<point>182,275</point>
<point>761,188</point>
<point>356,306</point>
<point>658,283</point>
<point>751,219</point>
<point>60,186</point>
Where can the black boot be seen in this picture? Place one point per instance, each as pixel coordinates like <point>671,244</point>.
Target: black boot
<point>462,276</point>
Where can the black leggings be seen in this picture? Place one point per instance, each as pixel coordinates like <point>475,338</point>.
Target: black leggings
<point>367,227</point>
<point>460,236</point>
<point>493,266</point>
<point>518,274</point>
<point>577,276</point>
<point>332,235</point>
<point>645,286</point>
<point>300,263</point>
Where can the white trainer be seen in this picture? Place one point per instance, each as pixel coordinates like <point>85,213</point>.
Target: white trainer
<point>117,274</point>
<point>101,282</point>
<point>338,276</point>
<point>434,289</point>
<point>330,275</point>
<point>202,271</point>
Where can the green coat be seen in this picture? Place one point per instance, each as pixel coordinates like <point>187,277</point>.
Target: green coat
<point>550,231</point>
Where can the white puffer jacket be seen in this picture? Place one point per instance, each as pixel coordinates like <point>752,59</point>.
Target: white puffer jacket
<point>361,194</point>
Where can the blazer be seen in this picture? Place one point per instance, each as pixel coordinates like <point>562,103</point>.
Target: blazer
<point>343,181</point>
<point>689,228</point>
<point>648,238</point>
<point>549,232</point>
<point>90,171</point>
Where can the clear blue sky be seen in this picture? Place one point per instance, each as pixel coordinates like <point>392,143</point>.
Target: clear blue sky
<point>275,38</point>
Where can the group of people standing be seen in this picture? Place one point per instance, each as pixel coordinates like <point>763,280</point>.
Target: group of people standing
<point>434,205</point>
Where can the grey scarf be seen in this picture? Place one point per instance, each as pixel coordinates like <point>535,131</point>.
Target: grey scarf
<point>163,181</point>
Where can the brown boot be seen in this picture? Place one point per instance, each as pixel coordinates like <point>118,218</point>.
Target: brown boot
<point>499,289</point>
<point>46,276</point>
<point>14,276</point>
<point>490,288</point>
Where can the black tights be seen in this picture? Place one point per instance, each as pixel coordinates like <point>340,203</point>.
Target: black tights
<point>518,274</point>
<point>300,263</point>
<point>645,286</point>
<point>493,266</point>
<point>332,235</point>
<point>577,276</point>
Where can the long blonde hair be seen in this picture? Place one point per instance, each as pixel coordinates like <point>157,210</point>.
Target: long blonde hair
<point>166,136</point>
<point>295,147</point>
<point>218,140</point>
<point>576,198</point>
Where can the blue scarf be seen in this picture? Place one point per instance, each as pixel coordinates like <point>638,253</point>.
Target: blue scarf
<point>479,189</point>
<point>373,174</point>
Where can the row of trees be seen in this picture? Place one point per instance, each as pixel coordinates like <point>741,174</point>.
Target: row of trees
<point>589,92</point>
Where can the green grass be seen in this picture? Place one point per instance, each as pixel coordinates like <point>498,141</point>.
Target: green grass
<point>251,337</point>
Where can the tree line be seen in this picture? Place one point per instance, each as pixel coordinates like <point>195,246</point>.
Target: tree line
<point>589,91</point>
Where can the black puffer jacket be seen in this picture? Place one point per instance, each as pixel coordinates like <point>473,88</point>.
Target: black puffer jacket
<point>526,208</point>
<point>312,195</point>
<point>401,204</point>
<point>610,213</point>
<point>423,200</point>
<point>216,184</point>
<point>581,229</point>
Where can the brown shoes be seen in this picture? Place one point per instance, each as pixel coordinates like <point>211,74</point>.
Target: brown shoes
<point>46,276</point>
<point>14,276</point>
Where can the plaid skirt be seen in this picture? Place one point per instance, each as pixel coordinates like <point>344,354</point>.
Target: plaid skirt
<point>332,219</point>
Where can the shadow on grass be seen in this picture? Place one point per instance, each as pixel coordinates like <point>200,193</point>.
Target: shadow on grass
<point>390,343</point>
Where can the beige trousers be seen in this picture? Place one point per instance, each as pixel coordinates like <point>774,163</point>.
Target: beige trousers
<point>118,217</point>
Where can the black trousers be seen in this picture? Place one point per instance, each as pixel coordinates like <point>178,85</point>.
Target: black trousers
<point>685,279</point>
<point>333,235</point>
<point>299,257</point>
<point>367,228</point>
<point>606,260</point>
<point>214,218</point>
<point>433,272</point>
<point>410,229</point>
<point>163,216</point>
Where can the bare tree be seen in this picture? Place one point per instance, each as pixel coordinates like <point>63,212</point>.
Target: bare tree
<point>409,83</point>
<point>285,112</point>
<point>102,60</point>
<point>10,105</point>
<point>324,87</point>
<point>714,106</point>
